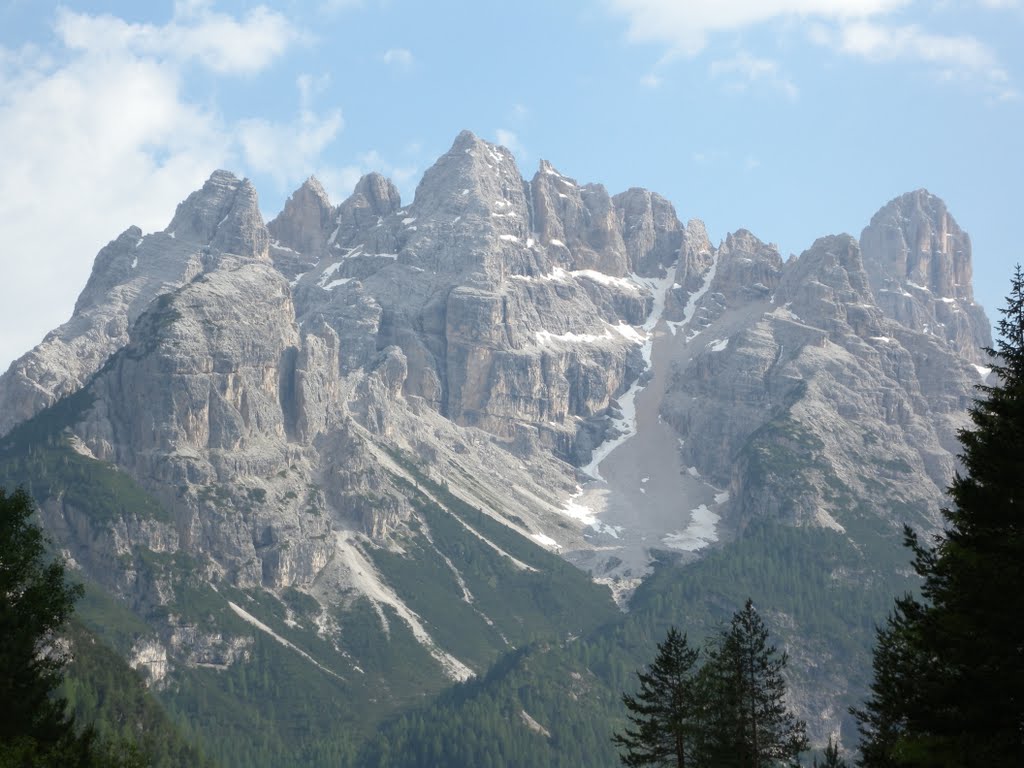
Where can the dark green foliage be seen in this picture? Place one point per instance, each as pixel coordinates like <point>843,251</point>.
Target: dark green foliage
<point>101,689</point>
<point>36,455</point>
<point>948,683</point>
<point>830,757</point>
<point>35,605</point>
<point>745,720</point>
<point>665,712</point>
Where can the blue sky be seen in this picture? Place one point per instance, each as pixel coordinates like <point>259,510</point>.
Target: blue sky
<point>791,118</point>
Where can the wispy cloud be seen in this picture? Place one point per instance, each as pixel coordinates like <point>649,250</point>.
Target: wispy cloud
<point>510,140</point>
<point>744,70</point>
<point>286,151</point>
<point>399,58</point>
<point>956,57</point>
<point>685,26</point>
<point>103,124</point>
<point>651,80</point>
<point>222,43</point>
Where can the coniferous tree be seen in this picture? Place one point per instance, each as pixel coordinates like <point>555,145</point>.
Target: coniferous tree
<point>831,758</point>
<point>746,720</point>
<point>948,683</point>
<point>664,711</point>
<point>35,604</point>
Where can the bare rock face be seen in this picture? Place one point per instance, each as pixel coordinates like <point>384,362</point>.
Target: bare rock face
<point>816,400</point>
<point>651,232</point>
<point>300,232</point>
<point>128,274</point>
<point>919,264</point>
<point>205,374</point>
<point>578,221</point>
<point>225,214</point>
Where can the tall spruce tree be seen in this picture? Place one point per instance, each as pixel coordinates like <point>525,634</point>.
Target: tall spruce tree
<point>948,683</point>
<point>664,711</point>
<point>745,718</point>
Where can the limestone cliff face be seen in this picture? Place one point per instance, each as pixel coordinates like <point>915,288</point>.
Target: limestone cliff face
<point>503,324</point>
<point>818,401</point>
<point>919,263</point>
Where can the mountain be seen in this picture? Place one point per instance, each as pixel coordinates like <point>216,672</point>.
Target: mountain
<point>375,448</point>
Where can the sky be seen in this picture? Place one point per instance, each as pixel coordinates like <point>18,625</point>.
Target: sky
<point>791,118</point>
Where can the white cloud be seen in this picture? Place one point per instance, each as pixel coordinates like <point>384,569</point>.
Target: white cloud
<point>685,26</point>
<point>89,148</point>
<point>400,58</point>
<point>510,140</point>
<point>98,134</point>
<point>286,151</point>
<point>217,41</point>
<point>862,28</point>
<point>958,57</point>
<point>745,70</point>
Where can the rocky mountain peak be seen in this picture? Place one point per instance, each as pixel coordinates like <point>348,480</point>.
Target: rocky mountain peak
<point>378,193</point>
<point>747,268</point>
<point>306,215</point>
<point>225,215</point>
<point>914,239</point>
<point>650,229</point>
<point>474,176</point>
<point>918,261</point>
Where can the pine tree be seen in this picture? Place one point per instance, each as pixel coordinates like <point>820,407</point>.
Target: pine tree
<point>747,722</point>
<point>664,711</point>
<point>949,668</point>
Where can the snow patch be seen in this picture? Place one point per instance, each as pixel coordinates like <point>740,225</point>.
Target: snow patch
<point>325,277</point>
<point>546,541</point>
<point>701,531</point>
<point>718,345</point>
<point>623,283</point>
<point>982,370</point>
<point>696,296</point>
